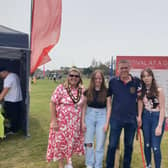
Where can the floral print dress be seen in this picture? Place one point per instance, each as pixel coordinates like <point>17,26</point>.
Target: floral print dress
<point>68,139</point>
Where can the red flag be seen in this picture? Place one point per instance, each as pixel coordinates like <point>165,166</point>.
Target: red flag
<point>45,32</point>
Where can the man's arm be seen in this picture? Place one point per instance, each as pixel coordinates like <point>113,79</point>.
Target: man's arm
<point>3,93</point>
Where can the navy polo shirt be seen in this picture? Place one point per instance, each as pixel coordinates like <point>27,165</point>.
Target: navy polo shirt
<point>124,100</point>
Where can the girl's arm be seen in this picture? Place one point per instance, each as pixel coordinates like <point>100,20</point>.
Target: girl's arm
<point>158,130</point>
<point>108,106</point>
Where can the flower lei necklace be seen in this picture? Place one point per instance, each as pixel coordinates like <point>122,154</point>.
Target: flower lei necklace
<point>77,98</point>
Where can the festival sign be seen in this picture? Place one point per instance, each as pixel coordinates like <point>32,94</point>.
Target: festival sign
<point>159,65</point>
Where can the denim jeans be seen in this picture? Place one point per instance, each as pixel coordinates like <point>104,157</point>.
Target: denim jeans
<point>95,120</point>
<point>151,141</point>
<point>115,131</point>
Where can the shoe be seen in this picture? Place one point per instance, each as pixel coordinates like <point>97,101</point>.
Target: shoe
<point>149,166</point>
<point>89,167</point>
<point>68,166</point>
<point>9,133</point>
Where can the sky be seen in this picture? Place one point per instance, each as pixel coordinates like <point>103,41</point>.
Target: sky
<point>97,29</point>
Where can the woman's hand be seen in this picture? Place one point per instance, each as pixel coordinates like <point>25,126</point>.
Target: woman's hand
<point>83,127</point>
<point>139,122</point>
<point>158,130</point>
<point>106,127</point>
<point>54,125</point>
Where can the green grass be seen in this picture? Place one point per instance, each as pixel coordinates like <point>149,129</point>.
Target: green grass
<point>18,151</point>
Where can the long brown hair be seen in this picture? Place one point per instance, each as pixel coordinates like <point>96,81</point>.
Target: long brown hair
<point>153,91</point>
<point>91,88</point>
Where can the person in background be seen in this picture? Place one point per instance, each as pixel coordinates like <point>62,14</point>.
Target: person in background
<point>95,119</point>
<point>12,96</point>
<point>151,116</point>
<point>65,136</point>
<point>124,90</point>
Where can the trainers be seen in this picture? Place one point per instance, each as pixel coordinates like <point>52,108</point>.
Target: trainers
<point>68,166</point>
<point>149,166</point>
<point>89,167</point>
<point>9,133</point>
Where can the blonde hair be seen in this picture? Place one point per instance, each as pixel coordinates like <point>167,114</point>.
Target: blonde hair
<point>80,77</point>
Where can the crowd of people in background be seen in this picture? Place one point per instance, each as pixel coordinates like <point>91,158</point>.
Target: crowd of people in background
<point>80,117</point>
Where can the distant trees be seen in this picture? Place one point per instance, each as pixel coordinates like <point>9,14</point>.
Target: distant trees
<point>105,67</point>
<point>63,71</point>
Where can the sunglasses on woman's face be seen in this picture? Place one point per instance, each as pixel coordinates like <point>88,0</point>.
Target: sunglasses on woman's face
<point>71,75</point>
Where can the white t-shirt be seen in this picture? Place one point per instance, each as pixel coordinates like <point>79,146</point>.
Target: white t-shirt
<point>13,83</point>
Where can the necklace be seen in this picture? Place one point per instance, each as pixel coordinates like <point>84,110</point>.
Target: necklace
<point>73,98</point>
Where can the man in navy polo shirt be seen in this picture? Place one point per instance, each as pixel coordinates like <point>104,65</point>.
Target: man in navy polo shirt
<point>124,91</point>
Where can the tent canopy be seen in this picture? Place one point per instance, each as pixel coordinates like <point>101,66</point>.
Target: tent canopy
<point>12,38</point>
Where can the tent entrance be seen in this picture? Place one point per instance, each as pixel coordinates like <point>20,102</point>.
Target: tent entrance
<point>15,56</point>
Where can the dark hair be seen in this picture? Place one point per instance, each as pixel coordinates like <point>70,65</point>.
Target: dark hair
<point>3,69</point>
<point>153,91</point>
<point>91,88</point>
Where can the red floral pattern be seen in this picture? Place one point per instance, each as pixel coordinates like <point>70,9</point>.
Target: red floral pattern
<point>68,139</point>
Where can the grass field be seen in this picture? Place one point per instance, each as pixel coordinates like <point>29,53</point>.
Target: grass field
<point>18,151</point>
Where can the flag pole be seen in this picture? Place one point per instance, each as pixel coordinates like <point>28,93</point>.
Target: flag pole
<point>28,74</point>
<point>31,14</point>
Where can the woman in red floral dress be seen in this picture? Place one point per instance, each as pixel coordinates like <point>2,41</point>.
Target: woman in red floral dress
<point>65,136</point>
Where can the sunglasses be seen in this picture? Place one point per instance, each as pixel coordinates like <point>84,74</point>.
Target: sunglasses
<point>76,76</point>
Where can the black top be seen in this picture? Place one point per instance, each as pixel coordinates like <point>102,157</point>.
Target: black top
<point>95,103</point>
